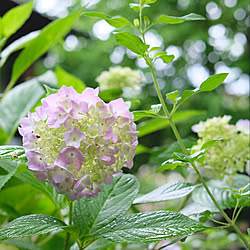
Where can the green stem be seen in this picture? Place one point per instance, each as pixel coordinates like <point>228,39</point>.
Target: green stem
<point>141,22</point>
<point>218,222</point>
<point>70,223</point>
<point>235,209</point>
<point>172,124</point>
<point>238,213</point>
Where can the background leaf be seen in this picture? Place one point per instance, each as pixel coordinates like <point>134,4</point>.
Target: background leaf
<point>16,45</point>
<point>14,106</point>
<point>175,20</point>
<point>49,35</point>
<point>151,126</point>
<point>15,18</point>
<point>93,214</point>
<point>67,79</point>
<point>31,225</point>
<point>12,152</point>
<point>5,177</point>
<point>150,226</point>
<point>166,192</point>
<point>116,22</point>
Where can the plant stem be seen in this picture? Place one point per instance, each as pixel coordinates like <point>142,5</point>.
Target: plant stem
<point>178,137</point>
<point>70,223</point>
<point>235,209</point>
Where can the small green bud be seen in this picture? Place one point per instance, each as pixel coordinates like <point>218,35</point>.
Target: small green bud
<point>146,21</point>
<point>136,23</point>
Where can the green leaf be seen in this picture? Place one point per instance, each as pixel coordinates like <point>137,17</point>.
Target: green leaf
<point>67,79</point>
<point>172,95</point>
<point>143,114</point>
<point>154,125</point>
<point>13,107</point>
<point>210,84</point>
<point>166,192</point>
<point>174,20</point>
<point>15,18</point>
<point>132,42</point>
<point>101,244</point>
<point>23,244</point>
<point>110,94</point>
<point>16,45</point>
<point>155,48</point>
<point>29,178</point>
<point>189,158</point>
<point>92,215</point>
<point>224,197</point>
<point>248,231</point>
<point>150,226</point>
<point>170,164</point>
<point>49,35</point>
<point>116,22</point>
<point>4,178</point>
<point>13,153</point>
<point>140,149</point>
<point>149,1</point>
<point>29,225</point>
<point>167,58</point>
<point>210,143</point>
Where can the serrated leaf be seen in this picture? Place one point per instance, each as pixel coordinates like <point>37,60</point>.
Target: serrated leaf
<point>210,84</point>
<point>15,18</point>
<point>16,45</point>
<point>67,79</point>
<point>101,244</point>
<point>151,126</point>
<point>29,225</point>
<point>189,158</point>
<point>172,95</point>
<point>92,215</point>
<point>12,152</point>
<point>170,164</point>
<point>175,20</point>
<point>49,35</point>
<point>117,22</point>
<point>132,42</point>
<point>166,192</point>
<point>150,226</point>
<point>13,107</point>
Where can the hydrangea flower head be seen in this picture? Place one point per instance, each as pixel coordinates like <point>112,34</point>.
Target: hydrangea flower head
<point>228,156</point>
<point>76,142</point>
<point>120,78</point>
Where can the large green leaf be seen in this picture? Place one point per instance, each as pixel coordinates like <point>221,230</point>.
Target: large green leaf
<point>67,79</point>
<point>132,42</point>
<point>50,35</point>
<point>149,227</point>
<point>91,215</point>
<point>29,225</point>
<point>143,114</point>
<point>15,18</point>
<point>116,22</point>
<point>210,84</point>
<point>174,20</point>
<point>23,244</point>
<point>166,192</point>
<point>151,126</point>
<point>19,100</point>
<point>12,152</point>
<point>16,45</point>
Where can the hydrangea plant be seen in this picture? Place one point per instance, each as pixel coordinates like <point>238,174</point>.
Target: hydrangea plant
<point>218,159</point>
<point>77,141</point>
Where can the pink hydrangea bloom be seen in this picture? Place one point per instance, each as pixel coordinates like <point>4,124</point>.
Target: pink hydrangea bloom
<point>76,142</point>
